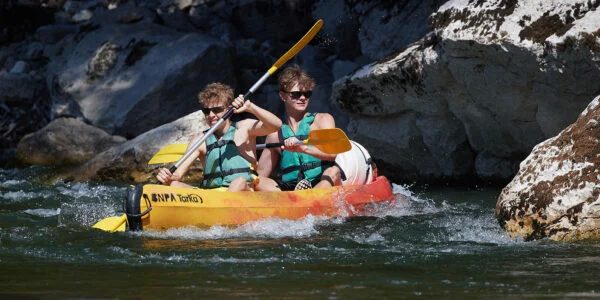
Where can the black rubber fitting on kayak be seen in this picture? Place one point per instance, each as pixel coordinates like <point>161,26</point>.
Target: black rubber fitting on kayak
<point>132,208</point>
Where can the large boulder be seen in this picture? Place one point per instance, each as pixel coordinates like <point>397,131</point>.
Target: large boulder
<point>65,141</point>
<point>474,96</point>
<point>24,106</point>
<point>128,162</point>
<point>130,78</point>
<point>556,193</point>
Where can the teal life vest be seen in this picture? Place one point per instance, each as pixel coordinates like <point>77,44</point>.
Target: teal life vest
<point>295,166</point>
<point>223,161</point>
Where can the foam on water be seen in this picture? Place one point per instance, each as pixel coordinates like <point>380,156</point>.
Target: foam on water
<point>21,196</point>
<point>43,212</point>
<point>267,228</point>
<point>85,190</point>
<point>11,183</point>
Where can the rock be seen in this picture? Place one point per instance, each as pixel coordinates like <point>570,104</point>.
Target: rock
<point>83,15</point>
<point>51,34</point>
<point>128,162</point>
<point>148,76</point>
<point>24,106</point>
<point>64,141</point>
<point>556,193</point>
<point>19,67</point>
<point>103,60</point>
<point>375,28</point>
<point>342,68</point>
<point>484,73</point>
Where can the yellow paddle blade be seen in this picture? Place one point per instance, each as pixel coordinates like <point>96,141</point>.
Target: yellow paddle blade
<point>330,141</point>
<point>168,153</point>
<point>297,47</point>
<point>112,224</point>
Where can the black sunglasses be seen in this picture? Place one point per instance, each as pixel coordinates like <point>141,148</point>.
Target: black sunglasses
<point>216,110</point>
<point>298,94</point>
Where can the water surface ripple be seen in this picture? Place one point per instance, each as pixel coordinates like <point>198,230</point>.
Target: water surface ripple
<point>442,242</point>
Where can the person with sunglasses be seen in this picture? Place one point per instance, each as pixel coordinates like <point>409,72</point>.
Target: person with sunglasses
<point>229,155</point>
<point>298,166</point>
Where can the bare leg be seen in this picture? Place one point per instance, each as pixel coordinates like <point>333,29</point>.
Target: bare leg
<point>266,184</point>
<point>331,176</point>
<point>239,184</point>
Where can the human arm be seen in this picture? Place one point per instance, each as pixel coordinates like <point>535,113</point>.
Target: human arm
<point>166,177</point>
<point>267,122</point>
<point>269,158</point>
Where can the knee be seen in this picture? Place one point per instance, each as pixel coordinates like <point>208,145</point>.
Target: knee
<point>238,184</point>
<point>334,173</point>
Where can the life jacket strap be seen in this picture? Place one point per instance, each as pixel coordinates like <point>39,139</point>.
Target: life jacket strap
<point>302,167</point>
<point>218,144</point>
<point>211,176</point>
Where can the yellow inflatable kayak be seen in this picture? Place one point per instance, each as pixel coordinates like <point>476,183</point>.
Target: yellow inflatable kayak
<point>160,207</point>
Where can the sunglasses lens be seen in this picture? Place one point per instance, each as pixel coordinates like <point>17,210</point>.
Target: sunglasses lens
<point>298,94</point>
<point>216,110</point>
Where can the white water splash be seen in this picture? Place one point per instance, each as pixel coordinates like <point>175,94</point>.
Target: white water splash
<point>267,228</point>
<point>20,196</point>
<point>406,204</point>
<point>11,183</point>
<point>80,190</point>
<point>43,212</point>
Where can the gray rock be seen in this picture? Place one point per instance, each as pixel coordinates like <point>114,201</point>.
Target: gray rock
<point>152,79</point>
<point>103,60</point>
<point>51,34</point>
<point>556,193</point>
<point>342,68</point>
<point>83,15</point>
<point>24,105</point>
<point>19,67</point>
<point>129,161</point>
<point>503,90</point>
<point>64,141</point>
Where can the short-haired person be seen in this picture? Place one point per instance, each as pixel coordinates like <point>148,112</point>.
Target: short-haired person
<point>228,156</point>
<point>299,166</point>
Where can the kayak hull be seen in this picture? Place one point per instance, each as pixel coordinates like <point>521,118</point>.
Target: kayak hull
<point>160,207</point>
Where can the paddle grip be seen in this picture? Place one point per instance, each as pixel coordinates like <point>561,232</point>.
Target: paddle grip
<point>269,145</point>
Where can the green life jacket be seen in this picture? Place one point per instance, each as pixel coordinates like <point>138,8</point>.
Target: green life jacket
<point>295,166</point>
<point>223,161</point>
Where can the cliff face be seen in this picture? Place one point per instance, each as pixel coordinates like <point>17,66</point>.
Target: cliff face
<point>492,80</point>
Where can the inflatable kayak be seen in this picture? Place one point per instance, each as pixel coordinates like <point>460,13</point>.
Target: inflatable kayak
<point>160,207</point>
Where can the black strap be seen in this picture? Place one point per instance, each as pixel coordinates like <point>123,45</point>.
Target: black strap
<point>218,144</point>
<point>212,176</point>
<point>302,167</point>
<point>368,161</point>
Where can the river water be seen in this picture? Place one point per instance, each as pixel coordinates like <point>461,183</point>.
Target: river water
<point>443,242</point>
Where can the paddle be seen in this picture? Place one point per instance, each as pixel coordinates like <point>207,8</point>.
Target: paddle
<point>282,60</point>
<point>330,141</point>
<point>112,224</point>
<point>116,223</point>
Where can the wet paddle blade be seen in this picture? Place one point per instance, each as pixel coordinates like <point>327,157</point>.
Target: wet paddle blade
<point>168,153</point>
<point>330,141</point>
<point>112,224</point>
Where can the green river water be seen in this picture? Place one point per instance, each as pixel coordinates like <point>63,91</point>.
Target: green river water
<point>443,243</point>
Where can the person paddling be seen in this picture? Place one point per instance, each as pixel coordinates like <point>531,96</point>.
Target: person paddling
<point>229,155</point>
<point>299,166</point>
